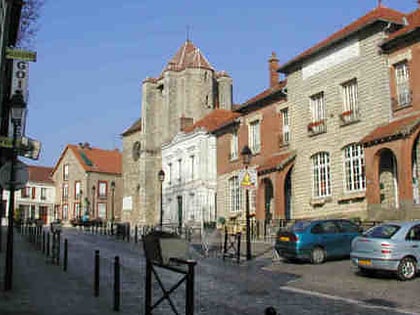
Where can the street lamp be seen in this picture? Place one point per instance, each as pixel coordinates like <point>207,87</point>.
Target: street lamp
<point>161,177</point>
<point>246,154</point>
<point>17,110</point>
<point>112,206</point>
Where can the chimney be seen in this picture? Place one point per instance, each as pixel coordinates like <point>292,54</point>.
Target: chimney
<point>186,122</point>
<point>273,65</point>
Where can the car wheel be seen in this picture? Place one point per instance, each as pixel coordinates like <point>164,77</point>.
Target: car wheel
<point>318,255</point>
<point>406,269</point>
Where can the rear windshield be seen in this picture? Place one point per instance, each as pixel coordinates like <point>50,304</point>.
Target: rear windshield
<point>299,226</point>
<point>382,231</point>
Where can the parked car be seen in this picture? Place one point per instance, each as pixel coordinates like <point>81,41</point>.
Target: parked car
<point>393,246</point>
<point>317,240</point>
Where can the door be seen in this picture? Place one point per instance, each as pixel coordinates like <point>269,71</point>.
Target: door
<point>43,214</point>
<point>348,231</point>
<point>328,237</point>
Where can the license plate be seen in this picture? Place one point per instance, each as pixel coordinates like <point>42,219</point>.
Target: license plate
<point>364,262</point>
<point>284,238</point>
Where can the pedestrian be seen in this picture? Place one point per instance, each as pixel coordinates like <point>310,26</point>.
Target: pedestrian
<point>270,311</point>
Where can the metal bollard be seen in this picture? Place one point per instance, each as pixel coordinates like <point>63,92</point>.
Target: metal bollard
<point>238,254</point>
<point>117,284</point>
<point>136,234</point>
<point>189,300</point>
<point>43,242</point>
<point>96,276</point>
<point>48,244</point>
<point>65,258</point>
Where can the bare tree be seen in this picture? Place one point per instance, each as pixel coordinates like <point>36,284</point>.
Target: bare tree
<point>28,27</point>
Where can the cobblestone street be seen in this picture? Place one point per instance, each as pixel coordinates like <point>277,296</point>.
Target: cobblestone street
<point>221,287</point>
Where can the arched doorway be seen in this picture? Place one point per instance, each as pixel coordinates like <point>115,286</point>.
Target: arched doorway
<point>388,183</point>
<point>415,162</point>
<point>288,196</point>
<point>268,201</point>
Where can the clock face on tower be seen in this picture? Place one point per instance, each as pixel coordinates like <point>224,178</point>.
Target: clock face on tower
<point>136,150</point>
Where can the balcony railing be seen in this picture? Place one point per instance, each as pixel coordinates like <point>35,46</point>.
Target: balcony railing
<point>349,116</point>
<point>317,127</point>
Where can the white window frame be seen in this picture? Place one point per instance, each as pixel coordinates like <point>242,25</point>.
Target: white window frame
<point>77,190</point>
<point>235,194</point>
<point>285,118</point>
<point>170,174</point>
<point>255,136</point>
<point>234,146</point>
<point>192,157</point>
<point>317,107</point>
<point>350,98</point>
<point>179,170</point>
<point>65,191</point>
<point>101,207</point>
<point>354,168</point>
<point>102,189</point>
<point>66,172</point>
<point>321,179</point>
<point>65,213</point>
<point>402,81</point>
<point>43,193</point>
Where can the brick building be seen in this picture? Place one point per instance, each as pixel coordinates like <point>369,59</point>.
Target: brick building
<point>88,181</point>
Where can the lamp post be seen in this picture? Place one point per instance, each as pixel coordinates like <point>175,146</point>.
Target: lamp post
<point>93,201</point>
<point>17,109</point>
<point>161,177</point>
<point>246,154</point>
<point>112,206</point>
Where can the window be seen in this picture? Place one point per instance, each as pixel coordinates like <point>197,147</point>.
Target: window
<point>234,146</point>
<point>102,189</point>
<point>65,212</point>
<point>77,190</point>
<point>254,136</point>
<point>170,173</point>
<point>354,168</point>
<point>33,192</point>
<point>235,194</point>
<point>403,84</point>
<point>25,192</point>
<point>77,212</point>
<point>350,101</point>
<point>102,210</point>
<point>65,191</point>
<point>192,157</point>
<point>414,233</point>
<point>66,172</point>
<point>321,175</point>
<point>179,169</point>
<point>285,119</point>
<point>317,109</point>
<point>43,193</point>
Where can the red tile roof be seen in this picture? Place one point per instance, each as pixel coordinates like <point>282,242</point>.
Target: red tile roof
<point>133,128</point>
<point>395,129</point>
<point>380,13</point>
<point>266,93</point>
<point>276,162</point>
<point>94,159</point>
<point>413,20</point>
<point>40,174</point>
<point>188,56</point>
<point>213,121</point>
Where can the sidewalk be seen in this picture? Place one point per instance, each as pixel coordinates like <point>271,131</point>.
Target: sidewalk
<point>40,288</point>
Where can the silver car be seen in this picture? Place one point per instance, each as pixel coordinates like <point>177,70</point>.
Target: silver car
<point>392,246</point>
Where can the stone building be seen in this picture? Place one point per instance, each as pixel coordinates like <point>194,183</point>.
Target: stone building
<point>189,163</point>
<point>187,89</point>
<point>340,100</point>
<point>88,181</point>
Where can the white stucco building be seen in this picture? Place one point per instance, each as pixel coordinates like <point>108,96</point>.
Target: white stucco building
<point>189,161</point>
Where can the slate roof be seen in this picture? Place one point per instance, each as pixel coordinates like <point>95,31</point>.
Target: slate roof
<point>393,130</point>
<point>214,120</point>
<point>136,126</point>
<point>40,174</point>
<point>380,13</point>
<point>94,159</point>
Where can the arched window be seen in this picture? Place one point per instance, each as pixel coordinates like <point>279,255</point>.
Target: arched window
<point>321,174</point>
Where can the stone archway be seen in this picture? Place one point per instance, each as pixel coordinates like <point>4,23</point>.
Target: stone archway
<point>388,179</point>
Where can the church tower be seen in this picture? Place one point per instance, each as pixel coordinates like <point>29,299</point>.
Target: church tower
<point>187,89</point>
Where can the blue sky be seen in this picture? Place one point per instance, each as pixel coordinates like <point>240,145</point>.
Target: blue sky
<point>94,54</point>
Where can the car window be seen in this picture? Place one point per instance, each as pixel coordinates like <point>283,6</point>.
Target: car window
<point>414,233</point>
<point>347,226</point>
<point>300,226</point>
<point>329,227</point>
<point>382,231</point>
<point>317,229</point>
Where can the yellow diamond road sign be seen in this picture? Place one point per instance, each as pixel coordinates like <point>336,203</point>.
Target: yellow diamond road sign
<point>248,178</point>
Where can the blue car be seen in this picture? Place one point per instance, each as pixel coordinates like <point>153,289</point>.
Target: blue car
<point>317,240</point>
